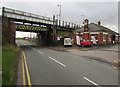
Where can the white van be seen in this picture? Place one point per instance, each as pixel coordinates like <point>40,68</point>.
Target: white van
<point>78,40</point>
<point>68,41</point>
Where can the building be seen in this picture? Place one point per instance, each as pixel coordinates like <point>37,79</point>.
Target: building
<point>96,33</point>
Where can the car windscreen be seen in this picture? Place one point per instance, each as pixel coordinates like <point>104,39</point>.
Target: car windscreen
<point>81,40</point>
<point>87,40</point>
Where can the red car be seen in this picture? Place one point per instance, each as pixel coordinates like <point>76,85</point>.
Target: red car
<point>85,43</point>
<point>26,38</point>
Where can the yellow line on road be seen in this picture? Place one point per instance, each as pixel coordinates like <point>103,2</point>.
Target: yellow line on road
<point>27,72</point>
<point>23,73</point>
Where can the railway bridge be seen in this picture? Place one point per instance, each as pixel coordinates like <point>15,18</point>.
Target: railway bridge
<point>45,27</point>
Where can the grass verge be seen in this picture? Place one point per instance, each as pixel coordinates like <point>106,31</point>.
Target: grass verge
<point>0,65</point>
<point>9,64</point>
<point>0,58</point>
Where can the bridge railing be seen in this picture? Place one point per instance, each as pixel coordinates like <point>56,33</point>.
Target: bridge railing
<point>26,16</point>
<point>16,14</point>
<point>68,24</point>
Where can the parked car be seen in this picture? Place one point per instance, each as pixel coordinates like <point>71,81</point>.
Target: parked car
<point>68,41</point>
<point>26,38</point>
<point>85,43</point>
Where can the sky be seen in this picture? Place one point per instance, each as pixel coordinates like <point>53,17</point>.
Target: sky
<point>105,11</point>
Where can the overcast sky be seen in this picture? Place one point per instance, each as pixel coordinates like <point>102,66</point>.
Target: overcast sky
<point>106,12</point>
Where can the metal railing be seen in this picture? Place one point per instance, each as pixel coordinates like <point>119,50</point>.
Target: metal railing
<point>16,14</point>
<point>10,13</point>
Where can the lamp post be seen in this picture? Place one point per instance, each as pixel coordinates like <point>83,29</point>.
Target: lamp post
<point>60,12</point>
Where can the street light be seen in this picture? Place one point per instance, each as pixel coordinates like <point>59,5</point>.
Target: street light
<point>60,12</point>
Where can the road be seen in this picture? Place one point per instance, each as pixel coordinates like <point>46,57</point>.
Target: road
<point>50,67</point>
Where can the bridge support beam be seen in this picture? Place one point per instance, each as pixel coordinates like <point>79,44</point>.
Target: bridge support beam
<point>8,31</point>
<point>49,39</point>
<point>45,38</point>
<point>54,30</point>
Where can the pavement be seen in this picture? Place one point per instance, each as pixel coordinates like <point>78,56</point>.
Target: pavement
<point>77,48</point>
<point>19,80</point>
<point>103,54</point>
<point>51,67</point>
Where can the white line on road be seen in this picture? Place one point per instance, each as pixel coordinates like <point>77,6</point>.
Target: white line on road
<point>33,48</point>
<point>40,52</point>
<point>57,61</point>
<point>91,82</point>
<point>23,43</point>
<point>29,46</point>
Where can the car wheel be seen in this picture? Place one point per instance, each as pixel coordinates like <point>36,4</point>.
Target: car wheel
<point>82,45</point>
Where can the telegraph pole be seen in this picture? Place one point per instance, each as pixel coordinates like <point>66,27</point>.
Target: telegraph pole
<point>59,13</point>
<point>54,30</point>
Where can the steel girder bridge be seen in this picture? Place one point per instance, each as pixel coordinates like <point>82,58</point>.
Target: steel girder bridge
<point>15,20</point>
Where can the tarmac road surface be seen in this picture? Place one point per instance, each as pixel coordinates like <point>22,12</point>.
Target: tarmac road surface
<point>50,67</point>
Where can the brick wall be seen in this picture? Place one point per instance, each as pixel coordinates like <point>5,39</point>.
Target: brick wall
<point>75,38</point>
<point>86,36</point>
<point>106,38</point>
<point>100,38</point>
<point>8,31</point>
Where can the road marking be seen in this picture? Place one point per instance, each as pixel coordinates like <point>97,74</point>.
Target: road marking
<point>40,52</point>
<point>91,81</point>
<point>29,46</point>
<point>91,51</point>
<point>27,72</point>
<point>115,67</point>
<point>23,73</point>
<point>23,43</point>
<point>73,50</point>
<point>115,64</point>
<point>57,61</point>
<point>28,43</point>
<point>33,48</point>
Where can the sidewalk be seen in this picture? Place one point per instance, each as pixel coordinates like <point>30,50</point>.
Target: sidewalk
<point>73,48</point>
<point>103,54</point>
<point>77,48</point>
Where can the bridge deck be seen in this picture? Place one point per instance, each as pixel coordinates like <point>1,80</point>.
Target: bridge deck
<point>24,16</point>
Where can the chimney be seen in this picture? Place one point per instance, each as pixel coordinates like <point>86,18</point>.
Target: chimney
<point>99,23</point>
